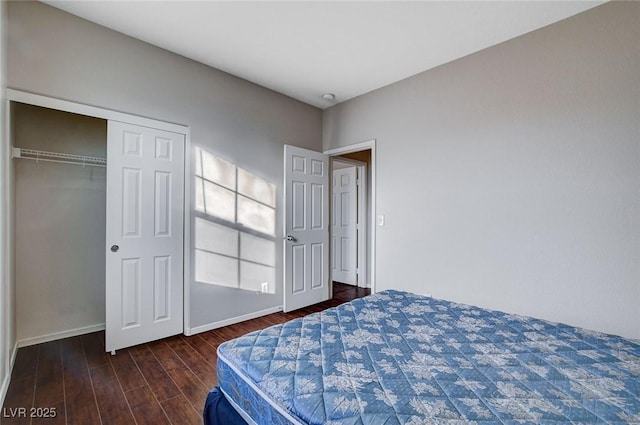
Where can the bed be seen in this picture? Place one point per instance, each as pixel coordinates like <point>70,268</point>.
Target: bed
<point>399,358</point>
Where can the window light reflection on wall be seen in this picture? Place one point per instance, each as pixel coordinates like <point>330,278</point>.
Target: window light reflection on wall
<point>234,225</point>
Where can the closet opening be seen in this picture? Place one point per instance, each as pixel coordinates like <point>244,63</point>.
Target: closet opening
<point>60,216</point>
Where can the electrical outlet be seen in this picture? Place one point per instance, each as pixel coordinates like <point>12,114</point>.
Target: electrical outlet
<point>264,287</point>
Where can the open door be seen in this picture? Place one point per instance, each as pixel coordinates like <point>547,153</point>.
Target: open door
<point>144,259</point>
<point>306,226</point>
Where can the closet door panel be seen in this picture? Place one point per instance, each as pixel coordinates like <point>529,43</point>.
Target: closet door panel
<point>145,194</point>
<point>162,288</point>
<point>163,204</point>
<point>130,292</point>
<point>131,201</point>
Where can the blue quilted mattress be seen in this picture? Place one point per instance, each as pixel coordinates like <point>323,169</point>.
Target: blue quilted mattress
<point>399,358</point>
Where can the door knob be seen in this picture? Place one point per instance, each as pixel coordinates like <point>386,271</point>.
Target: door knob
<point>291,238</point>
<point>114,248</point>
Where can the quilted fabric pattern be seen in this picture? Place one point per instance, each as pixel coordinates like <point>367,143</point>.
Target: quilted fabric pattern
<point>399,358</point>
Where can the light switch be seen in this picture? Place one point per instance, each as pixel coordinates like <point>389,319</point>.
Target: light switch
<point>381,220</point>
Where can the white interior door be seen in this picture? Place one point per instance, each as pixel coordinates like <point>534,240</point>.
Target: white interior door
<point>144,259</point>
<point>306,226</point>
<point>344,226</point>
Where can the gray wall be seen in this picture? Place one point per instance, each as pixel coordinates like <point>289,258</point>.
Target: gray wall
<point>56,54</point>
<point>509,178</point>
<point>61,215</point>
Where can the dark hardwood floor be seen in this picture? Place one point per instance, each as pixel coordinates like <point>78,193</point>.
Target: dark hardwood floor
<point>162,382</point>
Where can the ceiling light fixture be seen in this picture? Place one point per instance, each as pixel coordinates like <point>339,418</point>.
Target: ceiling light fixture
<point>329,96</point>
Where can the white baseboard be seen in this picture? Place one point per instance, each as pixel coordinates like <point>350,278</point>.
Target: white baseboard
<point>14,354</point>
<point>233,320</point>
<point>60,335</point>
<point>7,378</point>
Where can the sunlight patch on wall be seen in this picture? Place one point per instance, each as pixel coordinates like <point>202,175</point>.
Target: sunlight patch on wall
<point>234,226</point>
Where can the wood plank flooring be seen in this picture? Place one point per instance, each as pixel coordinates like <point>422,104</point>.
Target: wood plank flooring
<point>163,382</point>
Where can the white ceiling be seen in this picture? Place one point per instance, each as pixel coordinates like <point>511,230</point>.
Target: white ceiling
<point>306,48</point>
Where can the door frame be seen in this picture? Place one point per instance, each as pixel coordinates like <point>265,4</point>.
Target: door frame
<point>13,95</point>
<point>362,273</point>
<point>371,222</point>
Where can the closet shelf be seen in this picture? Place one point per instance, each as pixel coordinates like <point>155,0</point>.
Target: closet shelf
<point>64,158</point>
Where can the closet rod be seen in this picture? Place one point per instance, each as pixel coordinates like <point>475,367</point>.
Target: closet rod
<point>64,158</point>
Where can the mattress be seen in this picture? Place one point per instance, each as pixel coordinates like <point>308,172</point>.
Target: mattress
<point>399,358</point>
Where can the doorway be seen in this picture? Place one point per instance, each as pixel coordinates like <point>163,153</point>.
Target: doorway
<point>349,209</point>
<point>361,155</point>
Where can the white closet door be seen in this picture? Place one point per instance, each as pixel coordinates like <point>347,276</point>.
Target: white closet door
<point>144,259</point>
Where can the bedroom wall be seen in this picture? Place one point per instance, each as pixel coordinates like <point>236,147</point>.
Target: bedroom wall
<point>509,178</point>
<point>61,216</point>
<point>57,54</point>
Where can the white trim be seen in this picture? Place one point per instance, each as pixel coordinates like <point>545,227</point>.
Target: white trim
<point>60,335</point>
<point>5,386</point>
<point>186,237</point>
<point>363,254</point>
<point>7,307</point>
<point>232,321</point>
<point>7,379</point>
<point>92,111</point>
<point>362,146</point>
<point>369,144</point>
<point>5,213</point>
